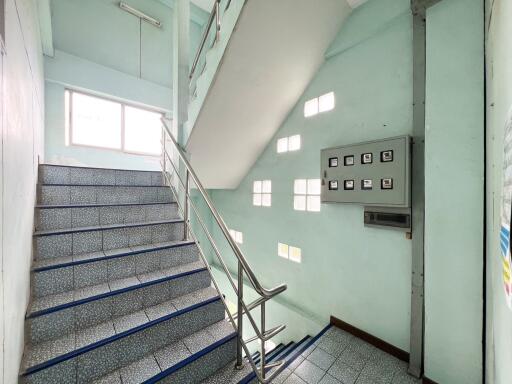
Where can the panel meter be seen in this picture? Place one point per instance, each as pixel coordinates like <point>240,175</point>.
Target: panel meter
<point>375,173</point>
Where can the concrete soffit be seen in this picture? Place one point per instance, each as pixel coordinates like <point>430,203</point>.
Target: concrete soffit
<point>45,26</point>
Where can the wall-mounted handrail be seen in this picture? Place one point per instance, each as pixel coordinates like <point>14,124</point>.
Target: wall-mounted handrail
<point>214,16</point>
<point>243,266</point>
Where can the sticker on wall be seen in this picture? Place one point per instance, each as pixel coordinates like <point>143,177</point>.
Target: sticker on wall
<point>506,213</point>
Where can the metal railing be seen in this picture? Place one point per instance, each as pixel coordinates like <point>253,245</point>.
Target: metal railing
<point>211,35</point>
<point>179,175</point>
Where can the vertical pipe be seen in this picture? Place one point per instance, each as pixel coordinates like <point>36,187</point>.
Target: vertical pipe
<point>418,190</point>
<point>240,315</point>
<point>217,20</point>
<point>186,207</point>
<point>263,341</point>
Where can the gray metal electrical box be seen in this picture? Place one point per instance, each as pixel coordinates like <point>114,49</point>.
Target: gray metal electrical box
<point>375,173</point>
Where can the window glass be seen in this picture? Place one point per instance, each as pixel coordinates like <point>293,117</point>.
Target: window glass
<point>95,122</point>
<point>142,131</point>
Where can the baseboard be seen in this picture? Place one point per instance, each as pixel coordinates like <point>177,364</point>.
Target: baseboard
<point>375,341</point>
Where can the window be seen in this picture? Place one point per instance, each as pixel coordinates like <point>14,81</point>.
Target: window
<point>262,193</point>
<point>286,144</point>
<point>237,236</point>
<point>288,252</point>
<point>320,104</point>
<point>98,122</point>
<point>306,195</point>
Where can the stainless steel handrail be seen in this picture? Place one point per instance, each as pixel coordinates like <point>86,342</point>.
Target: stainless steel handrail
<point>214,16</point>
<point>243,266</point>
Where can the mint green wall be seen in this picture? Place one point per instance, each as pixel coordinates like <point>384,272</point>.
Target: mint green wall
<point>499,107</point>
<point>358,274</point>
<point>118,58</point>
<point>362,275</point>
<point>454,173</point>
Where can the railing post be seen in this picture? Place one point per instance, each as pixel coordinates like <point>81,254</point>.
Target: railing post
<point>164,160</point>
<point>217,20</point>
<point>240,315</point>
<point>263,341</point>
<point>186,206</point>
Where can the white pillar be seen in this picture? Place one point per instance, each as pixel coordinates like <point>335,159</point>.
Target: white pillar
<point>180,80</point>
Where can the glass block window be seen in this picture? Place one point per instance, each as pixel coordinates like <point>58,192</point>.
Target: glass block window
<point>262,193</point>
<point>306,195</point>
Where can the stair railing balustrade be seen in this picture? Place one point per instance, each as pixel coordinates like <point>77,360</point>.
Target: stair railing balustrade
<point>210,37</point>
<point>178,175</point>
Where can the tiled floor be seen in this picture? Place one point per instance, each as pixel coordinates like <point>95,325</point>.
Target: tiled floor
<point>340,358</point>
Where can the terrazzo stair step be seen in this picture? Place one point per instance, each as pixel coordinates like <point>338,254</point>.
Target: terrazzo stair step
<point>57,174</point>
<point>63,217</point>
<point>289,353</point>
<point>53,276</point>
<point>229,374</point>
<point>52,316</point>
<point>90,353</point>
<point>72,194</point>
<point>189,360</point>
<point>102,238</point>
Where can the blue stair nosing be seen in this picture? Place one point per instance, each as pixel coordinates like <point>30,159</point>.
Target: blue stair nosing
<point>103,185</point>
<point>111,293</point>
<point>299,346</point>
<point>97,344</point>
<point>64,206</point>
<point>190,359</point>
<point>281,347</point>
<point>302,347</point>
<point>116,256</point>
<point>98,168</point>
<point>106,227</point>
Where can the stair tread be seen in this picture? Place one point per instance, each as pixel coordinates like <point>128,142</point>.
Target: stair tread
<point>102,185</point>
<point>172,357</point>
<point>57,262</point>
<point>229,374</point>
<point>40,353</point>
<point>56,301</point>
<point>104,227</point>
<point>98,205</point>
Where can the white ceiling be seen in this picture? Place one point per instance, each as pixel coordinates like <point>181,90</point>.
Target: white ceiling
<point>207,5</point>
<point>274,52</point>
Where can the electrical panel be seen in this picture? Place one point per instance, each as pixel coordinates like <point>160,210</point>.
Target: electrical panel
<point>375,173</point>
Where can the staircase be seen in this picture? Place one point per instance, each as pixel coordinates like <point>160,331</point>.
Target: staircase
<point>117,295</point>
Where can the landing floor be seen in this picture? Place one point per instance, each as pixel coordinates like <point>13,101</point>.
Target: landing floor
<point>337,357</point>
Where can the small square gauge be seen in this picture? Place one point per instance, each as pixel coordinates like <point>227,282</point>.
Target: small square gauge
<point>366,184</point>
<point>333,162</point>
<point>386,183</point>
<point>333,185</point>
<point>366,158</point>
<point>386,156</point>
<point>348,185</point>
<point>348,160</point>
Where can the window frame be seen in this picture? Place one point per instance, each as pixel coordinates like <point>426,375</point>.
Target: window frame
<point>68,93</point>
